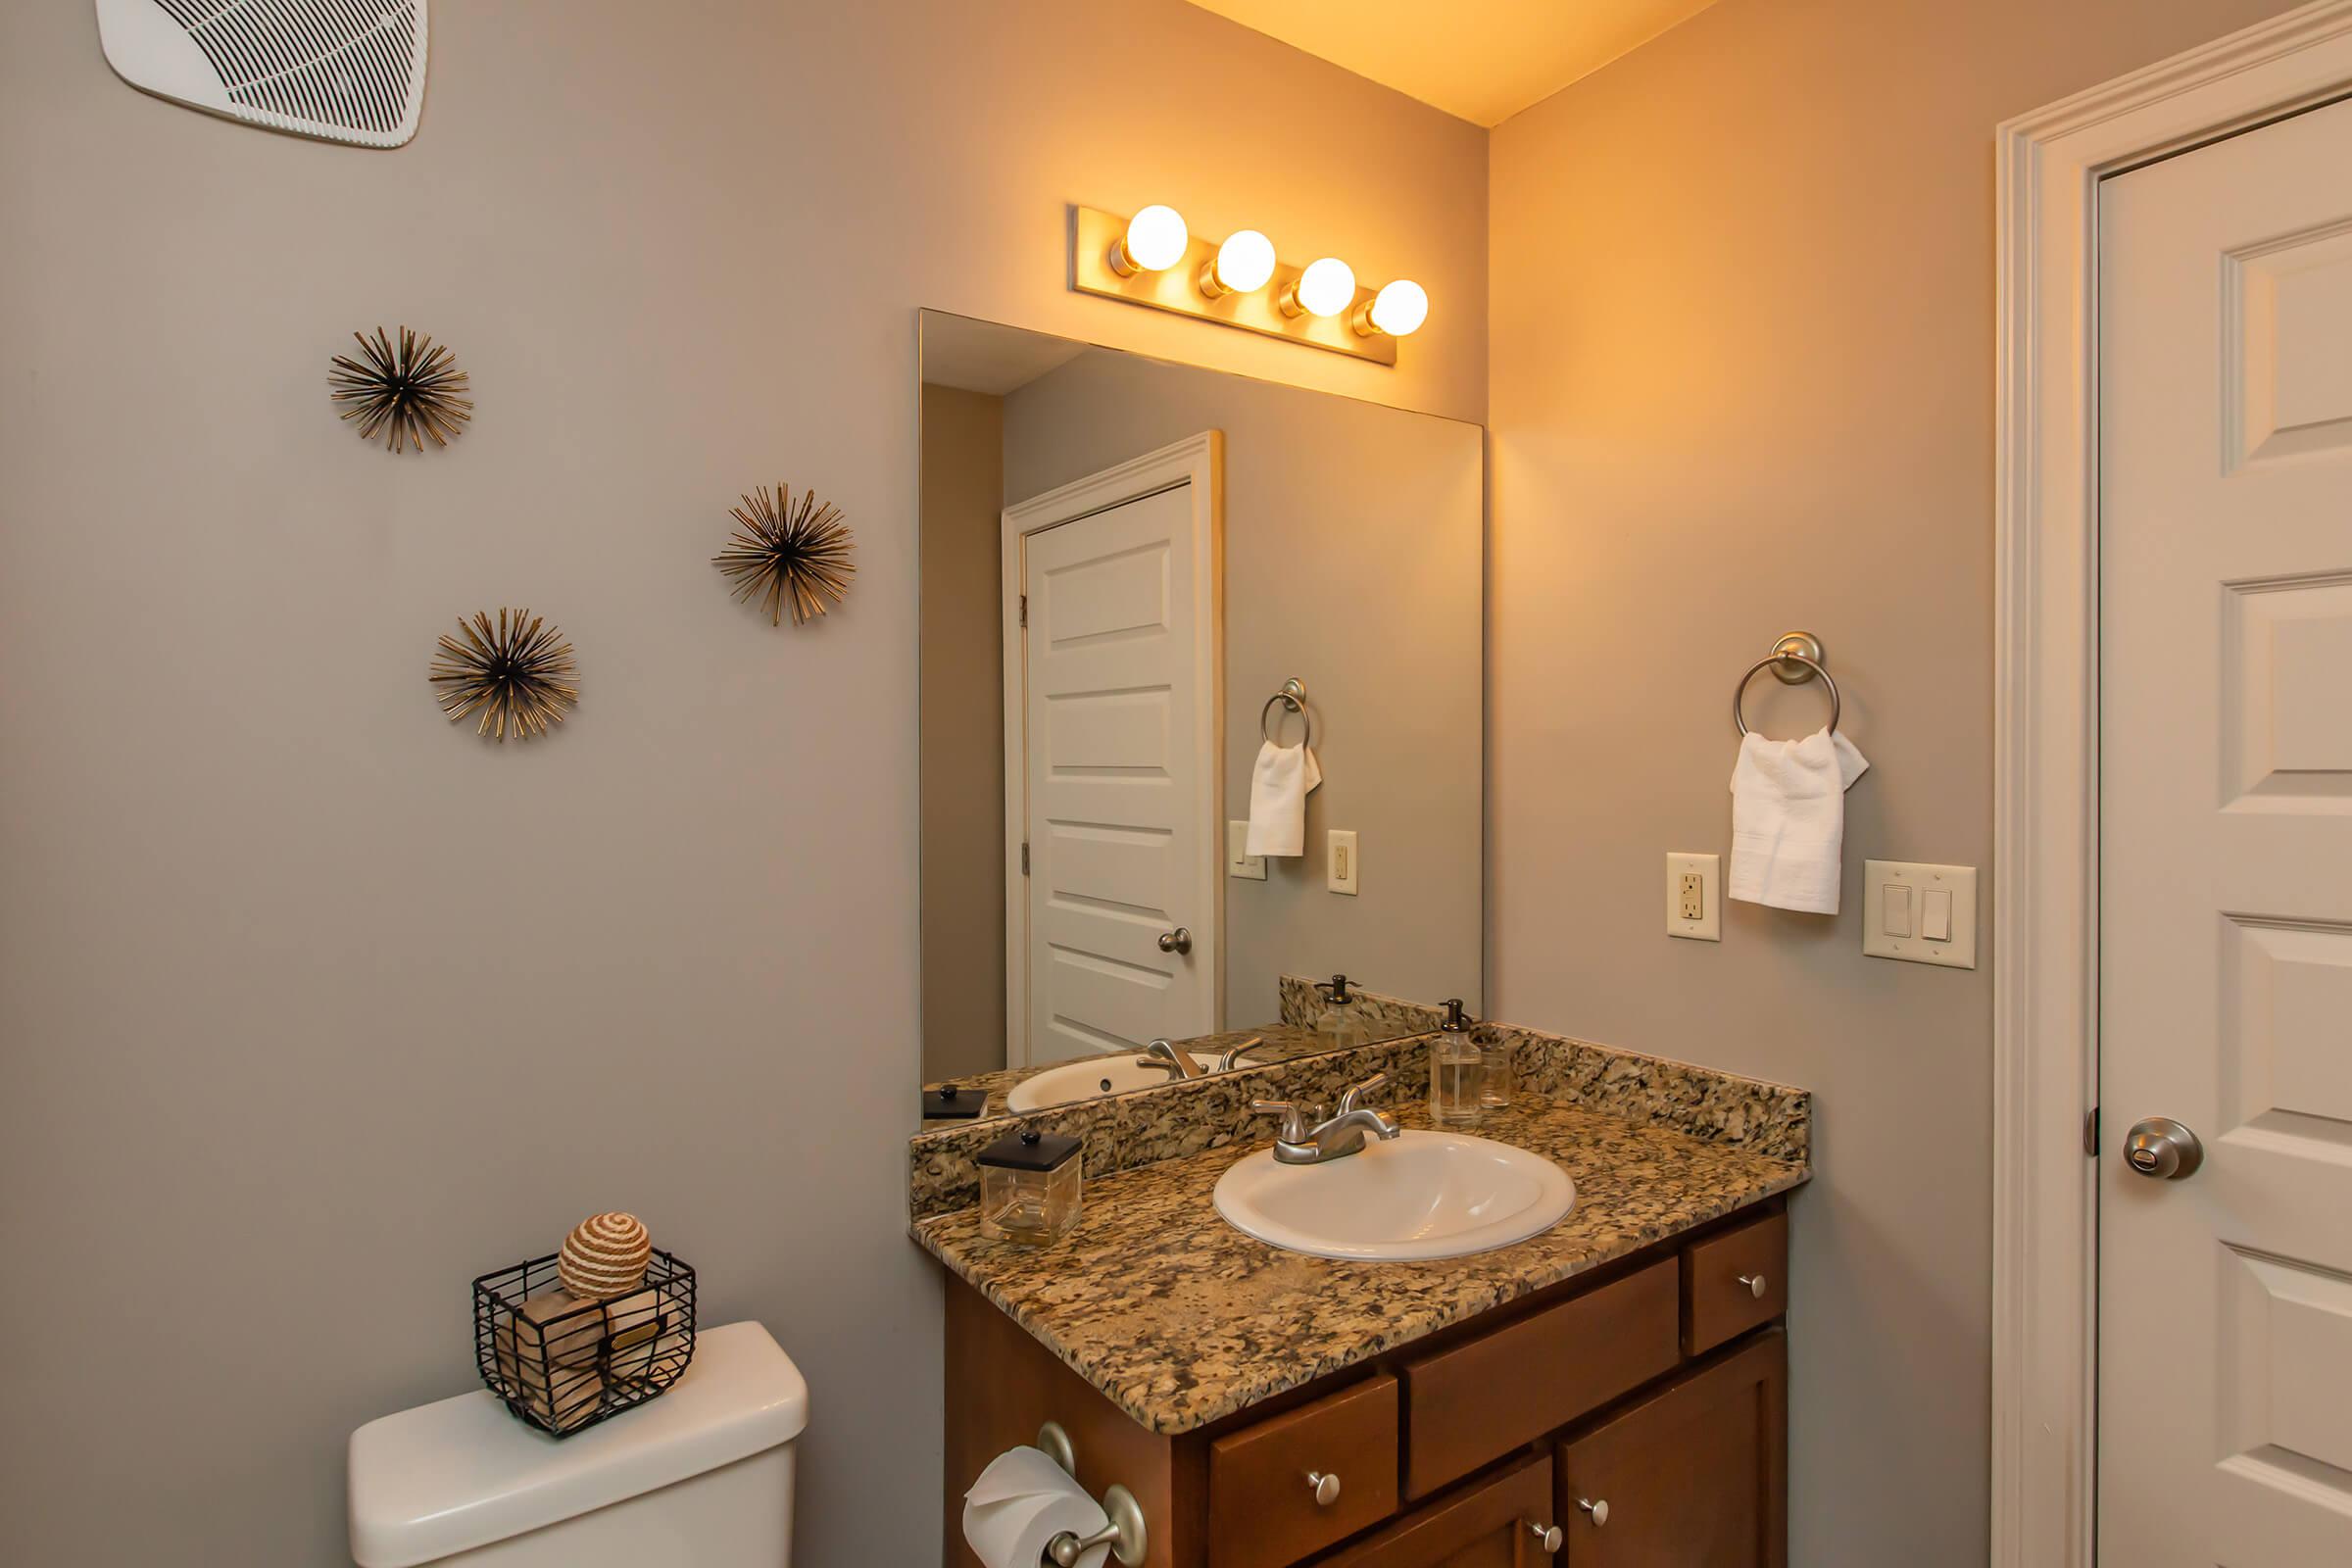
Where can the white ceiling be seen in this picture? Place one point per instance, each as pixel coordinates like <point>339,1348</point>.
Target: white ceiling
<point>1482,60</point>
<point>977,355</point>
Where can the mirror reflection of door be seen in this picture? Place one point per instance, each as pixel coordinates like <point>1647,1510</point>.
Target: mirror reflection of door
<point>1111,759</point>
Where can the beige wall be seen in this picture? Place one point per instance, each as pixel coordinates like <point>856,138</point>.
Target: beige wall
<point>312,1008</point>
<point>1742,348</point>
<point>963,751</point>
<point>1353,560</point>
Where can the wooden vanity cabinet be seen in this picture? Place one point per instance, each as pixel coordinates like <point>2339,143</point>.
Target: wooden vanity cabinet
<point>1653,1388</point>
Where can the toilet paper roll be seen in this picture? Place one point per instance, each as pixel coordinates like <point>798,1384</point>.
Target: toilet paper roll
<point>1021,1502</point>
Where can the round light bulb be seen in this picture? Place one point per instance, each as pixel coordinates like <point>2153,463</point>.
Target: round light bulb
<point>1155,239</point>
<point>1400,308</point>
<point>1327,288</point>
<point>1244,262</point>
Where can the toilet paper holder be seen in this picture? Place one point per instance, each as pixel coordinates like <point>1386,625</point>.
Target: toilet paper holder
<point>1125,1535</point>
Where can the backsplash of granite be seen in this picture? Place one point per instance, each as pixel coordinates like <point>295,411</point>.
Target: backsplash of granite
<point>1387,1017</point>
<point>1122,1132</point>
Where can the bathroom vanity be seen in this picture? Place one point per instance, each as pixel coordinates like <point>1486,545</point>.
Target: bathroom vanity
<point>1618,1379</point>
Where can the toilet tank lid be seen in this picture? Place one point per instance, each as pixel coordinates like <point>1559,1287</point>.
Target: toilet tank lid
<point>446,1478</point>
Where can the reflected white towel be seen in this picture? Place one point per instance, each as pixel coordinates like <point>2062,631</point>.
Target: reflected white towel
<point>1788,821</point>
<point>1278,789</point>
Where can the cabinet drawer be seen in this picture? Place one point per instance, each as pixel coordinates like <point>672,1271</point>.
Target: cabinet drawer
<point>1497,1522</point>
<point>1262,1511</point>
<point>1733,1282</point>
<point>1480,1399</point>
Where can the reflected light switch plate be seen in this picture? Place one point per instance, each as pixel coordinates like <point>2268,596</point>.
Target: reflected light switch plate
<point>1239,862</point>
<point>1938,902</point>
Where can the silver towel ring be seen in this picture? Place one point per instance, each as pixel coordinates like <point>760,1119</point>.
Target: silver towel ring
<point>1802,650</point>
<point>1293,695</point>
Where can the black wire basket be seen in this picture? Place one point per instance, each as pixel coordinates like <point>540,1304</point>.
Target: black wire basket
<point>563,1365</point>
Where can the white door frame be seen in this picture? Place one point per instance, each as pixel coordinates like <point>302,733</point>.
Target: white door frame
<point>2046,776</point>
<point>1199,462</point>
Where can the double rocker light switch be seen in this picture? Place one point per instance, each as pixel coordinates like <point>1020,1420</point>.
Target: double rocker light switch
<point>1920,913</point>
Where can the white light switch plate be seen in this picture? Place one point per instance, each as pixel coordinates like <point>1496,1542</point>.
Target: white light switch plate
<point>1340,870</point>
<point>1239,862</point>
<point>1939,883</point>
<point>1705,896</point>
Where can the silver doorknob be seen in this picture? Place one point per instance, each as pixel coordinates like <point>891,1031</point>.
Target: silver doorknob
<point>1179,940</point>
<point>1326,1488</point>
<point>1755,1282</point>
<point>1547,1536</point>
<point>1599,1510</point>
<point>2163,1149</point>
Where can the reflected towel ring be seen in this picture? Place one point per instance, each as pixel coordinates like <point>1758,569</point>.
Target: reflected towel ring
<point>1802,650</point>
<point>1293,695</point>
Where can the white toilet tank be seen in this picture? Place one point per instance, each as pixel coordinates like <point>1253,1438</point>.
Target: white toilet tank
<point>698,1477</point>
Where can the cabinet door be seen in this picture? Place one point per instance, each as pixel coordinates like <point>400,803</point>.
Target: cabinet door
<point>1498,1522</point>
<point>1692,1476</point>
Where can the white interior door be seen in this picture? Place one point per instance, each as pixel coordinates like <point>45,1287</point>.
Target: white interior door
<point>1118,754</point>
<point>2226,851</point>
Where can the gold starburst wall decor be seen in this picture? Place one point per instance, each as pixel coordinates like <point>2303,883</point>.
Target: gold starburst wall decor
<point>785,555</point>
<point>518,673</point>
<point>407,391</point>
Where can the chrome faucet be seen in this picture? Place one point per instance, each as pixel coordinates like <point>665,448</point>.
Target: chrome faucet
<point>1299,1143</point>
<point>1174,1060</point>
<point>1231,1056</point>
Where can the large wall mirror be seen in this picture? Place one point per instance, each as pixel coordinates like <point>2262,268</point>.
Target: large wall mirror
<point>1157,603</point>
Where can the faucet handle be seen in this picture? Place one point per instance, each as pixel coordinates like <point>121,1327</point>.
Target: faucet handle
<point>1294,1119</point>
<point>1355,1096</point>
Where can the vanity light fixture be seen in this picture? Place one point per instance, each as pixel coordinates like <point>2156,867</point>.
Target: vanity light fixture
<point>1156,241</point>
<point>1154,259</point>
<point>1243,264</point>
<point>1326,288</point>
<point>1398,309</point>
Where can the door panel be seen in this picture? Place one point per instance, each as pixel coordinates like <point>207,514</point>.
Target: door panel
<point>1118,787</point>
<point>1497,1522</point>
<point>1694,1476</point>
<point>2225,841</point>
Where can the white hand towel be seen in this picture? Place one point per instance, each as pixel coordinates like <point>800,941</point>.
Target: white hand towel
<point>1788,821</point>
<point>1278,789</point>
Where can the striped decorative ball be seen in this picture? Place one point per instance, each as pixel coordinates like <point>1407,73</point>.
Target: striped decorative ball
<point>605,1256</point>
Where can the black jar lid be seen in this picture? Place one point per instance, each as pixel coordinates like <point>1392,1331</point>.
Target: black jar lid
<point>1028,1150</point>
<point>951,1100</point>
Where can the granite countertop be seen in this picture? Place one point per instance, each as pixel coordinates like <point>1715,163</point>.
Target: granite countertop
<point>1180,1319</point>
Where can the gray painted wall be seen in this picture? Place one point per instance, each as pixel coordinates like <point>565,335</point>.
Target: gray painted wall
<point>1743,352</point>
<point>963,733</point>
<point>1352,560</point>
<point>314,1007</point>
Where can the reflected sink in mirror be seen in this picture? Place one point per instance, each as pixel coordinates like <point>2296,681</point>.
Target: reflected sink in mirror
<point>1422,1195</point>
<point>1084,1080</point>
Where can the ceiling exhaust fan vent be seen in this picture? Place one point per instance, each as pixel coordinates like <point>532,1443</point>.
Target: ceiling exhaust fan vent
<point>343,70</point>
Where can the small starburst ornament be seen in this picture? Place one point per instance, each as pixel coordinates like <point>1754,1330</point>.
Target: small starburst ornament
<point>518,674</point>
<point>407,391</point>
<point>787,555</point>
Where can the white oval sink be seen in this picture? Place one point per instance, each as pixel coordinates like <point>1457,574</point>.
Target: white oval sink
<point>1421,1195</point>
<point>1084,1080</point>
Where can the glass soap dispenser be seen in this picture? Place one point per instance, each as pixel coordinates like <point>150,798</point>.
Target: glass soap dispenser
<point>1029,1186</point>
<point>1341,1024</point>
<point>1458,1071</point>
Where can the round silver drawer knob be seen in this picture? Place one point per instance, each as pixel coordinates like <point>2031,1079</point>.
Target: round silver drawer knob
<point>1755,1284</point>
<point>1327,1487</point>
<point>1547,1536</point>
<point>1599,1510</point>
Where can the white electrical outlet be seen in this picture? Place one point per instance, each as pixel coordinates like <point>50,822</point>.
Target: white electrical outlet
<point>1694,896</point>
<point>1340,869</point>
<point>1239,862</point>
